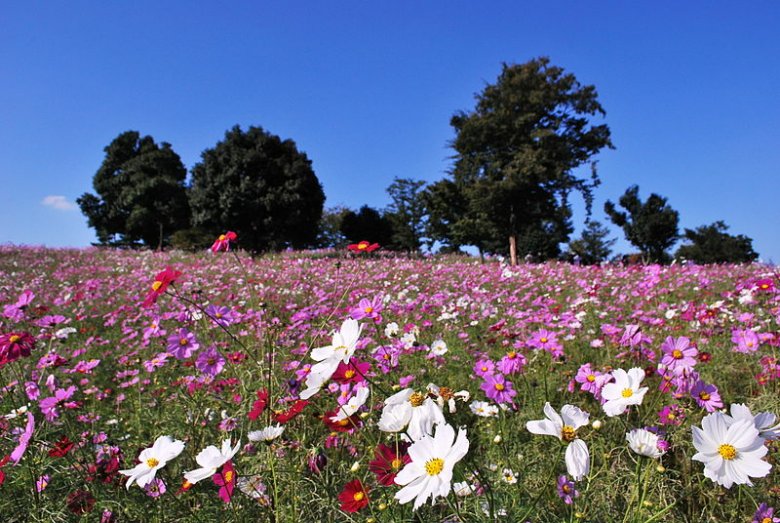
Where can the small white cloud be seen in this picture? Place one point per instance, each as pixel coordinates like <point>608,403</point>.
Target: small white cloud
<point>58,202</point>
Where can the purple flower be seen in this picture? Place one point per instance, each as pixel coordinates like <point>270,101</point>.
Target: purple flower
<point>765,514</point>
<point>368,309</point>
<point>706,396</point>
<point>49,405</point>
<point>224,316</point>
<point>678,353</point>
<point>566,490</point>
<point>671,415</point>
<point>182,344</point>
<point>210,361</point>
<point>155,488</point>
<point>484,368</point>
<point>746,340</point>
<point>512,363</point>
<point>158,361</point>
<point>546,340</point>
<point>24,440</point>
<point>498,389</point>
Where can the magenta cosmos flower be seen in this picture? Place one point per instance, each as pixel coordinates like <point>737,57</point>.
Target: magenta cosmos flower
<point>498,389</point>
<point>546,340</point>
<point>368,309</point>
<point>707,396</point>
<point>210,361</point>
<point>745,340</point>
<point>222,243</point>
<point>678,353</point>
<point>182,344</point>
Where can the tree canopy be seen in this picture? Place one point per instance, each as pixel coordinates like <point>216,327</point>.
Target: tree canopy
<point>516,161</point>
<point>141,196</point>
<point>406,213</point>
<point>712,244</point>
<point>593,246</point>
<point>367,224</point>
<point>650,226</point>
<point>259,186</point>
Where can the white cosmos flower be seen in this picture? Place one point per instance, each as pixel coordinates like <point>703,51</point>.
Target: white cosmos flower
<point>624,391</point>
<point>509,476</point>
<point>340,350</point>
<point>763,421</point>
<point>439,348</point>
<point>351,406</point>
<point>411,410</point>
<point>429,475</point>
<point>153,459</point>
<point>644,443</point>
<point>731,452</point>
<point>564,427</point>
<point>269,433</point>
<point>210,459</point>
<point>483,408</point>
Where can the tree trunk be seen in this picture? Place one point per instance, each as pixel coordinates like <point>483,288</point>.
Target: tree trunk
<point>512,250</point>
<point>159,244</point>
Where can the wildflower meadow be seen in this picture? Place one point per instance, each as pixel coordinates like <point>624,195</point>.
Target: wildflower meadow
<point>357,386</point>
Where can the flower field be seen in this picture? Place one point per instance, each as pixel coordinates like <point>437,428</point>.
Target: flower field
<point>140,386</point>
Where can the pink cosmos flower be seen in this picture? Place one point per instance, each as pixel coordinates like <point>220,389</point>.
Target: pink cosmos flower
<point>512,363</point>
<point>15,345</point>
<point>24,440</point>
<point>368,309</point>
<point>498,389</point>
<point>566,490</point>
<point>671,415</point>
<point>210,361</point>
<point>678,353</point>
<point>222,243</point>
<point>546,340</point>
<point>745,339</point>
<point>706,396</point>
<point>182,344</point>
<point>161,283</point>
<point>49,405</point>
<point>484,368</point>
<point>226,480</point>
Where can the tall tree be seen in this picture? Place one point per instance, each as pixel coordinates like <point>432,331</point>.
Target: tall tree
<point>406,213</point>
<point>141,195</point>
<point>517,155</point>
<point>712,244</point>
<point>329,233</point>
<point>650,226</point>
<point>592,246</point>
<point>259,186</point>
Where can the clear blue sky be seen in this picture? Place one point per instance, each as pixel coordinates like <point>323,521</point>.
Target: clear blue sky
<point>367,89</point>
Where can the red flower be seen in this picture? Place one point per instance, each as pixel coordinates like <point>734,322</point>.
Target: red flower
<point>345,425</point>
<point>259,406</point>
<point>354,496</point>
<point>388,462</point>
<point>61,448</point>
<point>363,246</point>
<point>346,373</point>
<point>222,244</point>
<point>14,346</point>
<point>80,502</point>
<point>160,285</point>
<point>765,285</point>
<point>297,408</point>
<point>226,480</point>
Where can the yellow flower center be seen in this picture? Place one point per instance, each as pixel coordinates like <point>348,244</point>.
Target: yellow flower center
<point>704,396</point>
<point>349,373</point>
<point>568,433</point>
<point>543,340</point>
<point>152,462</point>
<point>627,393</point>
<point>416,399</point>
<point>765,286</point>
<point>591,378</point>
<point>484,369</point>
<point>182,341</point>
<point>369,310</point>
<point>566,489</point>
<point>358,496</point>
<point>446,393</point>
<point>749,344</point>
<point>14,338</point>
<point>677,354</point>
<point>499,386</point>
<point>343,422</point>
<point>728,452</point>
<point>156,285</point>
<point>434,466</point>
<point>221,237</point>
<point>766,520</point>
<point>396,464</point>
<point>362,246</point>
<point>671,416</point>
<point>511,355</point>
<point>228,476</point>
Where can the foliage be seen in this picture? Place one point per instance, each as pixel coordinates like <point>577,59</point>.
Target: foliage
<point>140,193</point>
<point>406,213</point>
<point>592,246</point>
<point>329,233</point>
<point>517,155</point>
<point>712,244</point>
<point>261,187</point>
<point>367,224</point>
<point>650,226</point>
<point>192,239</point>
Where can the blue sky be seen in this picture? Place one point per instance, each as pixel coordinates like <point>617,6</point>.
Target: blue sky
<point>367,90</point>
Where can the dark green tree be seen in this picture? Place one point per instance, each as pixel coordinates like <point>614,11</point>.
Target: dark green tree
<point>407,213</point>
<point>261,187</point>
<point>712,244</point>
<point>650,226</point>
<point>592,246</point>
<point>517,155</point>
<point>329,234</point>
<point>367,224</point>
<point>141,196</point>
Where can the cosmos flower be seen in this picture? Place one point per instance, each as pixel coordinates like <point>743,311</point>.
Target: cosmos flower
<point>564,427</point>
<point>731,452</point>
<point>410,410</point>
<point>363,246</point>
<point>388,461</point>
<point>24,440</point>
<point>225,479</point>
<point>353,497</point>
<point>566,490</point>
<point>161,283</point>
<point>340,350</point>
<point>498,389</point>
<point>210,459</point>
<point>624,391</point>
<point>153,459</point>
<point>763,421</point>
<point>267,434</point>
<point>433,458</point>
<point>644,443</point>
<point>222,243</point>
<point>678,353</point>
<point>351,407</point>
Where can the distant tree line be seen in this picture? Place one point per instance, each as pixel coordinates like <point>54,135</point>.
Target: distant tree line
<point>525,148</point>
